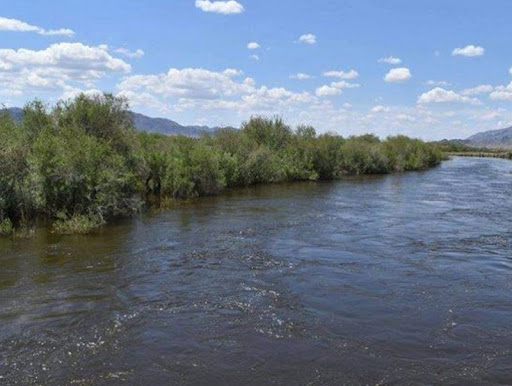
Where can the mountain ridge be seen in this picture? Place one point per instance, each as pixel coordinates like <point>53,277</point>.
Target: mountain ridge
<point>492,138</point>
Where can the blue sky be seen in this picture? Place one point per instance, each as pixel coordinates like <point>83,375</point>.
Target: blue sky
<point>426,68</point>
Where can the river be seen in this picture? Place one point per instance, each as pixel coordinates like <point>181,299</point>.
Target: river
<point>398,279</point>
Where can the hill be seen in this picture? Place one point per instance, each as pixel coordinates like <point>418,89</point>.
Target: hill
<point>16,113</point>
<point>493,139</point>
<point>167,126</point>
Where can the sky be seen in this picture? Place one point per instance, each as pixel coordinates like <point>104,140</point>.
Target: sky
<point>431,69</point>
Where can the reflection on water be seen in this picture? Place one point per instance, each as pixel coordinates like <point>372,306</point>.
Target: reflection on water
<point>371,280</point>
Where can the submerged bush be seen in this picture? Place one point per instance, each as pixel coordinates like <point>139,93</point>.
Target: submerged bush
<point>82,163</point>
<point>6,227</point>
<point>77,224</point>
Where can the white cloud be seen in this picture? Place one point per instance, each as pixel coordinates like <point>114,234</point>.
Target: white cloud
<point>300,76</point>
<point>437,83</point>
<point>390,60</point>
<point>16,25</point>
<point>380,109</point>
<point>400,74</point>
<point>502,93</point>
<point>255,57</point>
<point>130,54</point>
<point>71,92</point>
<point>406,118</point>
<point>440,95</point>
<point>352,74</point>
<point>61,66</point>
<point>335,88</point>
<point>469,51</point>
<point>203,85</point>
<point>345,84</point>
<point>327,91</point>
<point>222,7</point>
<point>67,56</point>
<point>193,90</point>
<point>232,72</point>
<point>308,39</point>
<point>253,46</point>
<point>482,89</point>
<point>194,83</point>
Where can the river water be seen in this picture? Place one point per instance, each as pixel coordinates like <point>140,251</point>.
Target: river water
<point>400,279</point>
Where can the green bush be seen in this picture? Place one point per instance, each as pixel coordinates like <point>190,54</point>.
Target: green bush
<point>6,227</point>
<point>77,224</point>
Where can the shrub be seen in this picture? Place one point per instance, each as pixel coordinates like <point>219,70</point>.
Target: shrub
<point>77,223</point>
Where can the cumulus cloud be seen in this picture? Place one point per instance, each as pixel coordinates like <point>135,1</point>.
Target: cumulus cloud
<point>308,39</point>
<point>130,54</point>
<point>502,93</point>
<point>345,84</point>
<point>335,88</point>
<point>380,109</point>
<point>194,83</point>
<point>327,91</point>
<point>232,72</point>
<point>66,56</point>
<point>482,89</point>
<point>197,89</point>
<point>300,76</point>
<point>253,46</point>
<point>223,7</point>
<point>469,51</point>
<point>352,74</point>
<point>59,67</point>
<point>16,25</point>
<point>390,60</point>
<point>72,92</point>
<point>400,74</point>
<point>440,95</point>
<point>255,57</point>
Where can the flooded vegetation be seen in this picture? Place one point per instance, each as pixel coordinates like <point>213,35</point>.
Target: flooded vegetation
<point>392,279</point>
<point>82,164</point>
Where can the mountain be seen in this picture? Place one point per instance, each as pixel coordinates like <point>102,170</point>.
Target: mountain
<point>16,113</point>
<point>494,138</point>
<point>145,123</point>
<point>167,126</point>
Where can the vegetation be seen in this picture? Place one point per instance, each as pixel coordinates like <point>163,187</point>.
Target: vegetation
<point>462,149</point>
<point>81,163</point>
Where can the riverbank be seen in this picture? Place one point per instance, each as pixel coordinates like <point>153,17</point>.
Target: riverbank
<point>81,163</point>
<point>482,154</point>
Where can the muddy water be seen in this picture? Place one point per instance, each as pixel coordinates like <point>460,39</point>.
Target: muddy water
<point>402,279</point>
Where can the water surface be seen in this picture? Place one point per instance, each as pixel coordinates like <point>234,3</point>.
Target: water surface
<point>402,279</point>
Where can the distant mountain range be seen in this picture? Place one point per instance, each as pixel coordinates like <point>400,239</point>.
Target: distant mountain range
<point>167,126</point>
<point>16,113</point>
<point>145,123</point>
<point>493,138</point>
